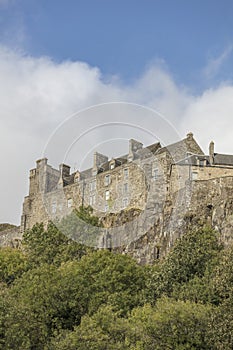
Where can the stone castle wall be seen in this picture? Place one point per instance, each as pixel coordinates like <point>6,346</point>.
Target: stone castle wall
<point>150,196</point>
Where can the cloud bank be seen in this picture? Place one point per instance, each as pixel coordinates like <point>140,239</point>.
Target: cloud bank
<point>36,94</point>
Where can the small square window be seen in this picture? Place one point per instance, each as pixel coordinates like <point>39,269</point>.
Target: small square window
<point>69,202</point>
<point>194,176</point>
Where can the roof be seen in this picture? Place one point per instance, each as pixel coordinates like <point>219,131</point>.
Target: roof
<point>219,159</point>
<point>223,159</point>
<point>194,160</point>
<point>179,150</point>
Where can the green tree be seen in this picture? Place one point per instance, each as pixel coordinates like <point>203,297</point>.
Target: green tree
<point>109,278</point>
<point>220,331</point>
<point>81,226</point>
<point>170,324</point>
<point>193,255</point>
<point>13,263</point>
<point>105,330</point>
<point>223,279</point>
<point>34,309</point>
<point>50,299</point>
<point>50,246</point>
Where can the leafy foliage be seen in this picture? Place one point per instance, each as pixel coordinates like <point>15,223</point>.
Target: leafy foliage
<point>50,246</point>
<point>169,325</point>
<point>59,294</point>
<point>13,263</point>
<point>81,226</point>
<point>194,255</point>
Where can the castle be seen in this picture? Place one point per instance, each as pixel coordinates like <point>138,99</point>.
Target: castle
<point>169,187</point>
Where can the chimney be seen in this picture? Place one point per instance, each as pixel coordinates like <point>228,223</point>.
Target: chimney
<point>134,146</point>
<point>189,136</point>
<point>41,162</point>
<point>99,159</point>
<point>211,152</point>
<point>64,170</point>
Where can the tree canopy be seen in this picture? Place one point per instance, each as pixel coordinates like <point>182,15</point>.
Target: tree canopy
<point>59,294</point>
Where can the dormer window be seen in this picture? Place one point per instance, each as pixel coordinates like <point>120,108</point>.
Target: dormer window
<point>77,176</point>
<point>112,164</point>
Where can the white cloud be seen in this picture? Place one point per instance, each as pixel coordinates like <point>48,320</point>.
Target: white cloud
<point>36,94</point>
<point>214,64</point>
<point>211,116</point>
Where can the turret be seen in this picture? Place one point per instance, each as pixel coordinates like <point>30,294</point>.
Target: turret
<point>37,177</point>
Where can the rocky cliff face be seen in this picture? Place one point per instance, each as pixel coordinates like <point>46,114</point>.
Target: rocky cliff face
<point>202,202</point>
<point>207,202</point>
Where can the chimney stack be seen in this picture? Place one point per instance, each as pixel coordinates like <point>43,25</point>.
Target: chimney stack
<point>211,152</point>
<point>99,159</point>
<point>134,146</point>
<point>64,170</point>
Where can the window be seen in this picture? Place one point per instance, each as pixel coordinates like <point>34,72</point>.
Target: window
<point>107,180</point>
<point>107,195</point>
<point>202,162</point>
<point>194,176</point>
<point>106,208</point>
<point>69,202</point>
<point>112,165</point>
<point>126,188</point>
<point>93,185</point>
<point>126,173</point>
<point>54,207</point>
<point>92,199</point>
<point>155,173</point>
<point>125,202</point>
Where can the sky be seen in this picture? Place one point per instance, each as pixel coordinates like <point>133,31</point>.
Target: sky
<point>61,57</point>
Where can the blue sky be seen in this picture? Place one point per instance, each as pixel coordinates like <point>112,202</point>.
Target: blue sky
<point>60,57</point>
<point>124,37</point>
